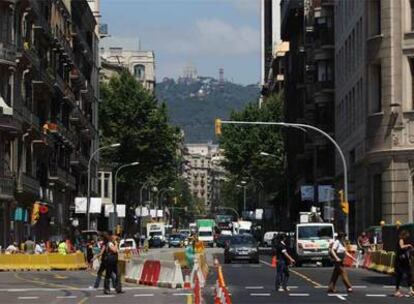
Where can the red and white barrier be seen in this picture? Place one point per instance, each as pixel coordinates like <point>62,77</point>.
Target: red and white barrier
<point>154,273</point>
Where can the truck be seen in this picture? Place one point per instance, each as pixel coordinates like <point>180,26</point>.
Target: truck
<point>205,231</point>
<point>242,227</point>
<point>312,241</point>
<point>156,230</point>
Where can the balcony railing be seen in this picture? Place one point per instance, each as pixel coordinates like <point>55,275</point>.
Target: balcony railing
<point>79,160</point>
<point>7,52</point>
<point>65,134</point>
<point>29,184</point>
<point>7,187</point>
<point>60,175</point>
<point>9,123</point>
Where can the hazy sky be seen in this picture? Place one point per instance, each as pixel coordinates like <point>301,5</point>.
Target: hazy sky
<point>208,33</point>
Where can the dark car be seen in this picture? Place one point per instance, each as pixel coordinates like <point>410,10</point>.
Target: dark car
<point>222,240</point>
<point>176,240</point>
<point>241,247</point>
<point>156,242</point>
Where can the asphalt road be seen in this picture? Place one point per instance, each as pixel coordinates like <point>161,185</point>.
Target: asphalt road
<point>250,283</point>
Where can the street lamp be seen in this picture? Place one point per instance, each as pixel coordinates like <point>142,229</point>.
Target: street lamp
<point>116,187</point>
<point>243,185</point>
<point>88,203</point>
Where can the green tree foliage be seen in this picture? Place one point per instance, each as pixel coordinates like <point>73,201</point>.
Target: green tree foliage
<point>243,143</point>
<point>195,113</point>
<point>132,116</point>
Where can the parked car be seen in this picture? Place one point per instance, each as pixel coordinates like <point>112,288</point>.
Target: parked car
<point>222,240</point>
<point>185,232</point>
<point>241,247</point>
<point>127,245</point>
<point>176,240</point>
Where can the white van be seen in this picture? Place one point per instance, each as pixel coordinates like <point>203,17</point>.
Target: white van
<point>312,242</point>
<point>206,235</point>
<point>268,237</point>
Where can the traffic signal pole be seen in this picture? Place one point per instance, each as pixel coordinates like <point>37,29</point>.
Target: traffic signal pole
<point>219,122</point>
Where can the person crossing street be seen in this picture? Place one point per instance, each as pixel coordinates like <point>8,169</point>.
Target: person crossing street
<point>283,262</point>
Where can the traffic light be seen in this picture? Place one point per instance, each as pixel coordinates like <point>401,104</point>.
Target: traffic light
<point>218,126</point>
<point>344,203</point>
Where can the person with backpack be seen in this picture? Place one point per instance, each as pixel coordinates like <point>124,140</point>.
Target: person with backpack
<point>338,253</point>
<point>402,263</point>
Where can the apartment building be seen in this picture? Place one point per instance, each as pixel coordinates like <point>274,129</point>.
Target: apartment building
<point>141,64</point>
<point>48,113</point>
<point>374,50</point>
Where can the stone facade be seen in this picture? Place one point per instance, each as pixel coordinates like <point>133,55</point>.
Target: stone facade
<point>48,112</point>
<point>374,107</point>
<point>141,64</point>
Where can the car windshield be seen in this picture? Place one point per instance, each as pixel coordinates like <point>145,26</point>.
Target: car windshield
<point>156,233</point>
<point>175,237</point>
<point>242,240</point>
<point>315,232</point>
<point>205,233</point>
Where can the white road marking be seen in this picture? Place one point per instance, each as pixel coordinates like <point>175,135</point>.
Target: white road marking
<point>260,294</point>
<point>341,296</point>
<point>66,297</point>
<point>388,286</point>
<point>299,295</point>
<point>28,298</point>
<point>359,286</point>
<point>376,295</point>
<point>144,295</point>
<point>254,287</point>
<point>105,296</point>
<point>181,294</point>
<point>321,287</point>
<point>69,289</point>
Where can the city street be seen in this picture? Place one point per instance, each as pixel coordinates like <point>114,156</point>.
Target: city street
<point>252,283</point>
<point>73,287</point>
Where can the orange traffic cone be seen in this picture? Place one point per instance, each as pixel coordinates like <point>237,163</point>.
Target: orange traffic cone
<point>274,261</point>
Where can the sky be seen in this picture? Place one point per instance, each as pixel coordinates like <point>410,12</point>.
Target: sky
<point>210,34</point>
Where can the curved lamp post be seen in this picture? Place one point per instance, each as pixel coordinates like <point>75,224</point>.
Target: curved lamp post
<point>88,203</point>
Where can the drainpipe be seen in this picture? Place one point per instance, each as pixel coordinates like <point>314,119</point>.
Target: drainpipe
<point>22,156</point>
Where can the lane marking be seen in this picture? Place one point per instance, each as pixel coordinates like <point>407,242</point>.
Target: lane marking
<point>71,289</point>
<point>17,276</point>
<point>181,294</point>
<point>260,294</point>
<point>299,295</point>
<point>341,296</point>
<point>306,278</point>
<point>105,296</point>
<point>376,295</point>
<point>144,295</point>
<point>254,287</point>
<point>66,297</point>
<point>28,298</point>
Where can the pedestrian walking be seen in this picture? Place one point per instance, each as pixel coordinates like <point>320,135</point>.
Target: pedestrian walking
<point>338,253</point>
<point>283,262</point>
<point>111,264</point>
<point>402,263</point>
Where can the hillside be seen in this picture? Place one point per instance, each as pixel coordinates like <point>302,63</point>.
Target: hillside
<point>193,105</point>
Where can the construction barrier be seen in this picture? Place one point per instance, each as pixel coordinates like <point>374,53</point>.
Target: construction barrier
<point>49,261</point>
<point>165,274</point>
<point>133,270</point>
<point>150,273</point>
<point>221,292</point>
<point>379,261</point>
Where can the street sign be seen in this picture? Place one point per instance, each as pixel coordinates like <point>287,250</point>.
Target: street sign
<point>307,193</point>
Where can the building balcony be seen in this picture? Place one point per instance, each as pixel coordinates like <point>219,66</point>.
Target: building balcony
<point>78,160</point>
<point>7,53</point>
<point>28,184</point>
<point>65,135</point>
<point>9,124</point>
<point>39,21</point>
<point>288,9</point>
<point>77,33</point>
<point>7,188</point>
<point>62,44</point>
<point>79,119</point>
<point>28,117</point>
<point>61,176</point>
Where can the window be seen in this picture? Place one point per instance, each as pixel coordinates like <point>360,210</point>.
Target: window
<point>412,14</point>
<point>376,87</point>
<point>139,71</point>
<point>375,17</point>
<point>325,71</point>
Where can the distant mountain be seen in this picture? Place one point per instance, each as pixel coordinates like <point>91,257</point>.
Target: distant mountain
<point>194,104</point>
